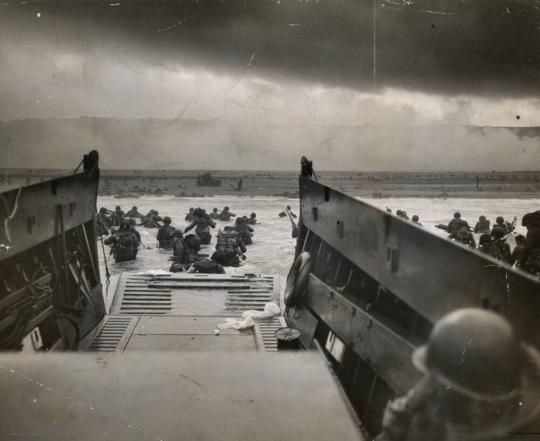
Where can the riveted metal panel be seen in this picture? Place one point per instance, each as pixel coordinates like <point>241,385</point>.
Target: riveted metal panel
<point>31,214</point>
<point>429,273</point>
<point>386,350</point>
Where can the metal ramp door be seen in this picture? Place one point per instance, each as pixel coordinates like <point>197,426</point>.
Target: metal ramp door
<point>181,312</point>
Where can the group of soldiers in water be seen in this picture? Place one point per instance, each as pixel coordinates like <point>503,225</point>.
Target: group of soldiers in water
<point>493,239</point>
<point>230,248</point>
<point>403,214</point>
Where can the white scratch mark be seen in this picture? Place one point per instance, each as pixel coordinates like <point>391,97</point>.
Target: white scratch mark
<point>374,46</point>
<point>465,350</point>
<point>81,404</point>
<point>179,22</point>
<point>168,28</point>
<point>507,286</point>
<point>429,11</point>
<point>251,59</point>
<point>293,25</point>
<point>114,4</point>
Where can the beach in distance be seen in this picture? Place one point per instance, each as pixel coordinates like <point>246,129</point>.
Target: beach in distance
<point>192,183</point>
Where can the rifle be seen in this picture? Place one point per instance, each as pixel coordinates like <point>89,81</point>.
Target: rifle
<point>514,222</point>
<point>293,223</point>
<point>506,236</point>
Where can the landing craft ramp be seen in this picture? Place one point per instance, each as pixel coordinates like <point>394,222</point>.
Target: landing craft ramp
<point>181,312</point>
<point>172,396</point>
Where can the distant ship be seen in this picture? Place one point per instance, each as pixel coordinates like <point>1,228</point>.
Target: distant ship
<point>206,180</point>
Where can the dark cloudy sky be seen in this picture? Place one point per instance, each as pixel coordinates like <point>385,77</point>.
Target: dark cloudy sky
<point>400,63</point>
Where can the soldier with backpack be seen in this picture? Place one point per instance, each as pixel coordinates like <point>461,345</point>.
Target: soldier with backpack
<point>229,248</point>
<point>124,242</point>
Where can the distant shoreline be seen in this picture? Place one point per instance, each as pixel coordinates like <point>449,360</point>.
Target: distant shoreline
<point>368,185</point>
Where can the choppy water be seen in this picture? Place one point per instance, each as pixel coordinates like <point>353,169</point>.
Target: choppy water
<point>273,248</point>
<point>440,211</point>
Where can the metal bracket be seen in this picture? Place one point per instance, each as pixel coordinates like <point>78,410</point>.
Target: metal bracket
<point>392,259</point>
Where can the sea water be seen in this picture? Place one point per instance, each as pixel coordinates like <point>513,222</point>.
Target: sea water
<point>272,251</point>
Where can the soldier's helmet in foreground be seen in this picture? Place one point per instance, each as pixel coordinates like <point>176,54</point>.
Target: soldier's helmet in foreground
<point>531,219</point>
<point>474,355</point>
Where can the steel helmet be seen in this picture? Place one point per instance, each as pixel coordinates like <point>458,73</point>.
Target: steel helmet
<point>499,219</point>
<point>474,356</point>
<point>474,352</point>
<point>167,220</point>
<point>457,215</point>
<point>531,219</point>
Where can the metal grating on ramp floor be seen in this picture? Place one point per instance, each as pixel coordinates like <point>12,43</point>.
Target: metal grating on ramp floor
<point>140,298</point>
<point>246,299</point>
<point>181,312</point>
<point>113,334</point>
<point>265,332</point>
<point>192,294</point>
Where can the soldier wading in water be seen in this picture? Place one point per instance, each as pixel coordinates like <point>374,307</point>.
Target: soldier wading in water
<point>124,242</point>
<point>202,223</point>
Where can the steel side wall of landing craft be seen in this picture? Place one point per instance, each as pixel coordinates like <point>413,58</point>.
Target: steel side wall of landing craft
<point>429,273</point>
<point>35,210</point>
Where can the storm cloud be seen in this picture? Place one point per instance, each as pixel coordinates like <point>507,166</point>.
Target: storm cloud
<point>271,75</point>
<point>443,46</point>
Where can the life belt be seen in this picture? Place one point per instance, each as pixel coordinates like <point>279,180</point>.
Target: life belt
<point>297,279</point>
